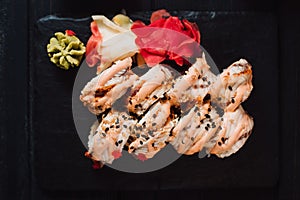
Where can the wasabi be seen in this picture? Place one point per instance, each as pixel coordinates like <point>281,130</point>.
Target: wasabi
<point>65,50</point>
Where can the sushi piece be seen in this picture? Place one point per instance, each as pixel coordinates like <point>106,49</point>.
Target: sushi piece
<point>180,92</point>
<point>148,88</point>
<point>107,139</point>
<point>102,91</point>
<point>233,85</point>
<point>195,129</point>
<point>235,130</point>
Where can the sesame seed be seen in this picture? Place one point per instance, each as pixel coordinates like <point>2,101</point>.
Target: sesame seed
<point>219,143</point>
<point>154,124</point>
<point>151,133</point>
<point>124,125</point>
<point>120,141</point>
<point>207,115</point>
<point>106,129</point>
<point>141,142</point>
<point>232,100</point>
<point>230,88</point>
<point>117,144</point>
<point>130,138</point>
<point>223,139</point>
<point>118,126</point>
<point>164,98</point>
<point>206,128</point>
<point>206,98</point>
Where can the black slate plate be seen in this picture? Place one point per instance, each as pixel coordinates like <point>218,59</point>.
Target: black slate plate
<point>58,153</point>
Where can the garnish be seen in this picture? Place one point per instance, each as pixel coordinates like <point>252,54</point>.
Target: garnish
<point>70,32</point>
<point>142,157</point>
<point>116,154</point>
<point>97,165</point>
<point>159,14</point>
<point>110,42</point>
<point>167,38</point>
<point>65,50</point>
<point>122,20</point>
<point>92,56</point>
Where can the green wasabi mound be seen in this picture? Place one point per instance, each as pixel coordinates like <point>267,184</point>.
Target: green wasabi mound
<point>65,50</point>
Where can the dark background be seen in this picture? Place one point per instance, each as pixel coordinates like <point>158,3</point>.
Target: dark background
<point>17,179</point>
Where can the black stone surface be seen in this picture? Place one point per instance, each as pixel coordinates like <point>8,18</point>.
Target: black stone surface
<point>58,154</point>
